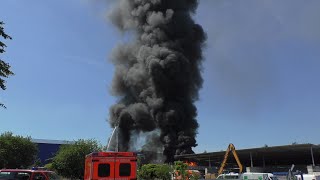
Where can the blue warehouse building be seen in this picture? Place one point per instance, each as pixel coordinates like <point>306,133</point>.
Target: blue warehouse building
<point>48,148</point>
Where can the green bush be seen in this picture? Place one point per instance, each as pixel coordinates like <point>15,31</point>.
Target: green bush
<point>70,159</point>
<point>180,169</point>
<point>16,151</point>
<point>49,166</point>
<point>194,176</point>
<point>155,172</point>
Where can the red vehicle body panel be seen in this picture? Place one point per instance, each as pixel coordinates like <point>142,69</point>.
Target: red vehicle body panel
<point>32,173</point>
<point>111,166</point>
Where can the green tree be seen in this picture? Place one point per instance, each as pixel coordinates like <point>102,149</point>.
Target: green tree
<point>194,176</point>
<point>49,166</point>
<point>155,171</point>
<point>16,151</point>
<point>69,160</point>
<point>37,163</point>
<point>181,169</point>
<point>5,71</point>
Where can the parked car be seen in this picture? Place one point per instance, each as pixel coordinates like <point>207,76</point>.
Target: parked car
<point>27,174</point>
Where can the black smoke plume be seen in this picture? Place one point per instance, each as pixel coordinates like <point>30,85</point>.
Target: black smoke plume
<point>157,76</point>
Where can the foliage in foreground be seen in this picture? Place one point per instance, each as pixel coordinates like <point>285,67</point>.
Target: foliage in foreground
<point>180,169</point>
<point>16,151</point>
<point>69,160</point>
<point>165,172</point>
<point>5,71</point>
<point>155,171</point>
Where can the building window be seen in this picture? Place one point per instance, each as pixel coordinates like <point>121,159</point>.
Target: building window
<point>104,170</point>
<point>125,169</point>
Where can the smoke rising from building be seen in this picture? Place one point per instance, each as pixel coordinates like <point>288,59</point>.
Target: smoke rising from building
<point>157,75</point>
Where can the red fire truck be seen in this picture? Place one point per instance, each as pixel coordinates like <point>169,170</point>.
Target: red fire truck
<point>111,166</point>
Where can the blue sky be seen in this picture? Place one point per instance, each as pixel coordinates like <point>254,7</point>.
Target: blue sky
<point>261,71</point>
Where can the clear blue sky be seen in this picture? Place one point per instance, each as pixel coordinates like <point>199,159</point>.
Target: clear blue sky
<point>261,71</point>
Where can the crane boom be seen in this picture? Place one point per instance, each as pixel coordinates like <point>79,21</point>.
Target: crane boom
<point>225,158</point>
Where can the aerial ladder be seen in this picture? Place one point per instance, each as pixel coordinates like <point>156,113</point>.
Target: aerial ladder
<point>232,149</point>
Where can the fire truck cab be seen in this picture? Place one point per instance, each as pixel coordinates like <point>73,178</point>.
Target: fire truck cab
<point>111,166</point>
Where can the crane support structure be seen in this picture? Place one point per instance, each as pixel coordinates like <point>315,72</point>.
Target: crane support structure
<point>223,164</point>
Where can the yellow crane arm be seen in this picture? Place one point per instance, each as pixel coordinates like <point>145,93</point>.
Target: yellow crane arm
<point>225,158</point>
<point>238,160</point>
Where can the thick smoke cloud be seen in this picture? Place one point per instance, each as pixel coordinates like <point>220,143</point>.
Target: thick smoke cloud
<point>157,76</point>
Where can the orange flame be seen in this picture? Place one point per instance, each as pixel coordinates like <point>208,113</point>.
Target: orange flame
<point>191,163</point>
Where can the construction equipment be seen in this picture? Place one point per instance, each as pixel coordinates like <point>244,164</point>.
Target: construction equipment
<point>223,164</point>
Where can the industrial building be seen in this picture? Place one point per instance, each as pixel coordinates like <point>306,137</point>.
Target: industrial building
<point>48,148</point>
<point>305,157</point>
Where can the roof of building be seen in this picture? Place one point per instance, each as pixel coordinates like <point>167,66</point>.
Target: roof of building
<point>286,154</point>
<point>48,141</point>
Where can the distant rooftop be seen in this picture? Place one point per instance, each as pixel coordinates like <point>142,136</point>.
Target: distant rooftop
<point>49,141</point>
<point>280,155</point>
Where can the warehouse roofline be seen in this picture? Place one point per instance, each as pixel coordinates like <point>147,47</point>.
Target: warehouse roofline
<point>298,154</point>
<point>265,149</point>
<point>49,141</point>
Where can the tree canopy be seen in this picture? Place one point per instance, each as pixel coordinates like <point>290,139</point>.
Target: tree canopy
<point>16,151</point>
<point>5,71</point>
<point>70,158</point>
<point>155,171</point>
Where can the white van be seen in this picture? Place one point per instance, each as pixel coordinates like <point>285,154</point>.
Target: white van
<point>256,176</point>
<point>228,176</point>
<point>308,177</point>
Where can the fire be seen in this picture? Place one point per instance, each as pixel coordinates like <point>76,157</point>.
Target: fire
<point>190,171</point>
<point>191,163</point>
